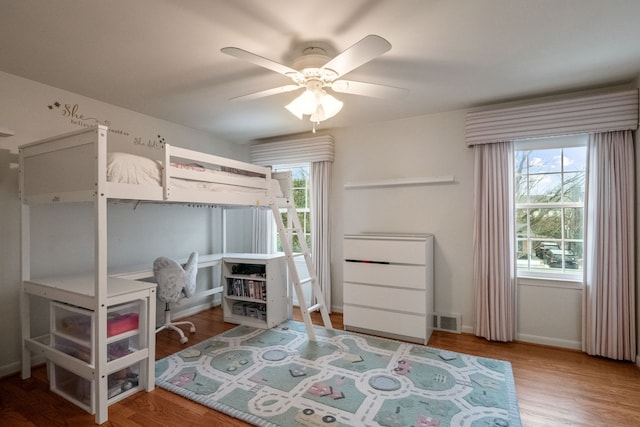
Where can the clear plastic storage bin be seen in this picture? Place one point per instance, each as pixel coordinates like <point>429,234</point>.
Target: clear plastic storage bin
<point>72,387</point>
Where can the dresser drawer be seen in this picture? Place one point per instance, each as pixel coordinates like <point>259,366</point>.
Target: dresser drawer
<point>403,276</point>
<point>386,322</point>
<point>385,250</point>
<point>405,300</point>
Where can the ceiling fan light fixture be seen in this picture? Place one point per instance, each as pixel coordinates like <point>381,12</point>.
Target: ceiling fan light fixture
<point>304,104</point>
<point>293,109</point>
<point>330,105</point>
<point>318,67</point>
<point>317,104</point>
<point>318,115</point>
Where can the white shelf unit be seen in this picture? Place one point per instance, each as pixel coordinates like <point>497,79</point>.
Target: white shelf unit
<point>255,289</point>
<point>71,334</point>
<point>74,348</point>
<point>388,285</point>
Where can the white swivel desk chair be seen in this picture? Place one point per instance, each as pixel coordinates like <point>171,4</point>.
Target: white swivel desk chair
<point>174,284</point>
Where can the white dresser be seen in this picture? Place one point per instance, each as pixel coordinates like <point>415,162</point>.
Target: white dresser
<point>388,285</point>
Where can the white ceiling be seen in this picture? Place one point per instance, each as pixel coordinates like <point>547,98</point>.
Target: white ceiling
<point>162,57</point>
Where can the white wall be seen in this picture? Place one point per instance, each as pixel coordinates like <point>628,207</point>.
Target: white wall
<point>64,233</point>
<point>426,146</point>
<point>549,313</point>
<point>417,147</point>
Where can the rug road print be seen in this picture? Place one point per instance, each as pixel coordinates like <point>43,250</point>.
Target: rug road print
<point>278,377</point>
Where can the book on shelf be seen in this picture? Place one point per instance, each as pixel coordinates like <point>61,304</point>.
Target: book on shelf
<point>247,288</point>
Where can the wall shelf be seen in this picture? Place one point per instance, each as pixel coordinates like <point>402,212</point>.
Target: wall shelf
<point>6,131</point>
<point>400,182</point>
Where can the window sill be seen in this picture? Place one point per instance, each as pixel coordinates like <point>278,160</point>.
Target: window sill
<point>550,282</point>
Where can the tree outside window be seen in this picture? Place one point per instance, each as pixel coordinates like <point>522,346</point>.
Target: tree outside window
<point>550,186</point>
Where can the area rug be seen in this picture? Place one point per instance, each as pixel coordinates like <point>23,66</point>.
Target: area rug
<point>277,377</point>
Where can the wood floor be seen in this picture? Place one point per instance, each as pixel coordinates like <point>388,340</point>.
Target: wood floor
<point>555,387</point>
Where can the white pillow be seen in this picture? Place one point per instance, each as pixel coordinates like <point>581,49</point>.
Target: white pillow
<point>131,169</point>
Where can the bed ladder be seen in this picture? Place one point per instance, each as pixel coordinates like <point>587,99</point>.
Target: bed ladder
<point>286,233</point>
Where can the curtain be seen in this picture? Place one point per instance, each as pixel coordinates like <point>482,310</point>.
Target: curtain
<point>320,236</point>
<point>263,232</point>
<point>493,243</point>
<point>609,269</point>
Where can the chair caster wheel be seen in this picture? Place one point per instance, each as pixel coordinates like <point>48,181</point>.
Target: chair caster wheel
<point>183,340</point>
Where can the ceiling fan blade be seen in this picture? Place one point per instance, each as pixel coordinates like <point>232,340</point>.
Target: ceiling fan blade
<point>368,89</point>
<point>259,60</point>
<point>360,53</point>
<point>268,92</point>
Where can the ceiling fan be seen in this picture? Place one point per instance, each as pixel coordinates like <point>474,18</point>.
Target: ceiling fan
<point>315,71</point>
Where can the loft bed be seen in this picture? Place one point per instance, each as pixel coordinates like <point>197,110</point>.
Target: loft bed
<point>78,167</point>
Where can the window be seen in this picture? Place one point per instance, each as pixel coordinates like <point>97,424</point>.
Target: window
<point>301,197</point>
<point>550,186</point>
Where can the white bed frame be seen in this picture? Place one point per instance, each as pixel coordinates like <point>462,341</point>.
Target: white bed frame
<point>72,168</point>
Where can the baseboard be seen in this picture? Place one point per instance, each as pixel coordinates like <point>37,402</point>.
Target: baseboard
<point>178,314</point>
<point>535,339</point>
<point>15,367</point>
<point>467,329</point>
<point>553,342</point>
<point>10,369</point>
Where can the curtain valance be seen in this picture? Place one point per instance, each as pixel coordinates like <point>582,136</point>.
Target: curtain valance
<point>316,149</point>
<point>588,114</point>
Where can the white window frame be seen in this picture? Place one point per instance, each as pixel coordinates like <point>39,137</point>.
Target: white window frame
<point>541,144</point>
<point>307,208</point>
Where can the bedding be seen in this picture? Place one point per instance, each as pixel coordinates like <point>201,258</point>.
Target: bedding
<point>129,168</point>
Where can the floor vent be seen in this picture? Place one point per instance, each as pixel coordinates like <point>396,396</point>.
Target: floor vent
<point>447,322</point>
